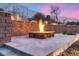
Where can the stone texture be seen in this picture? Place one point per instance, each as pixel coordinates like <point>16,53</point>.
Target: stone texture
<point>41,35</point>
<point>24,27</point>
<point>5,27</point>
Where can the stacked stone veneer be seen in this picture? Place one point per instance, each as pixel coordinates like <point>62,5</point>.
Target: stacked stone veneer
<point>62,28</point>
<point>24,27</point>
<point>5,27</point>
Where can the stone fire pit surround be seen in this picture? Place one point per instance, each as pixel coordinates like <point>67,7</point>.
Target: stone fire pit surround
<point>41,35</point>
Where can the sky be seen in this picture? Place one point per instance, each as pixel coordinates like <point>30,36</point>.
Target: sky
<point>70,10</point>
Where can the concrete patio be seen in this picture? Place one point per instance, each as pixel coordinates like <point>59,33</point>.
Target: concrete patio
<point>37,47</point>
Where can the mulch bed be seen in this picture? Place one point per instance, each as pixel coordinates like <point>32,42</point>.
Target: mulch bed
<point>72,50</point>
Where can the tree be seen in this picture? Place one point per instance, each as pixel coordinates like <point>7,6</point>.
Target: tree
<point>38,16</point>
<point>77,23</point>
<point>48,18</point>
<point>1,9</point>
<point>71,23</point>
<point>64,20</point>
<point>55,12</point>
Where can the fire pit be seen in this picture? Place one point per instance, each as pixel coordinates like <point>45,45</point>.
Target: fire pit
<point>41,34</point>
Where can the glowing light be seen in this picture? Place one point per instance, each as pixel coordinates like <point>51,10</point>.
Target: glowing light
<point>12,18</point>
<point>41,25</point>
<point>18,18</point>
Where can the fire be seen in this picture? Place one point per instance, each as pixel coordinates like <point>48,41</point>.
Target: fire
<point>41,25</point>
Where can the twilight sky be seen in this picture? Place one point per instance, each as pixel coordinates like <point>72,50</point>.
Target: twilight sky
<point>70,10</point>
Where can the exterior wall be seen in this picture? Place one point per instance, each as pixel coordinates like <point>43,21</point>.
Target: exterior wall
<point>24,27</point>
<point>5,27</point>
<point>62,28</point>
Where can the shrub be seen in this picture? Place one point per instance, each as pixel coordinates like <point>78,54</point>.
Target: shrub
<point>69,33</point>
<point>64,32</point>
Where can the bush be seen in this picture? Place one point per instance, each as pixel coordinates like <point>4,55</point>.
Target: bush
<point>38,16</point>
<point>69,33</point>
<point>64,32</point>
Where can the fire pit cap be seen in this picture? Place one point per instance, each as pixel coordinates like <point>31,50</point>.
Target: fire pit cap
<point>42,32</point>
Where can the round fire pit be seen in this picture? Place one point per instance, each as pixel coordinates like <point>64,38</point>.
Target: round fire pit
<point>41,35</point>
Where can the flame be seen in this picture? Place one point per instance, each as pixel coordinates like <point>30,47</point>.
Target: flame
<point>41,25</point>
